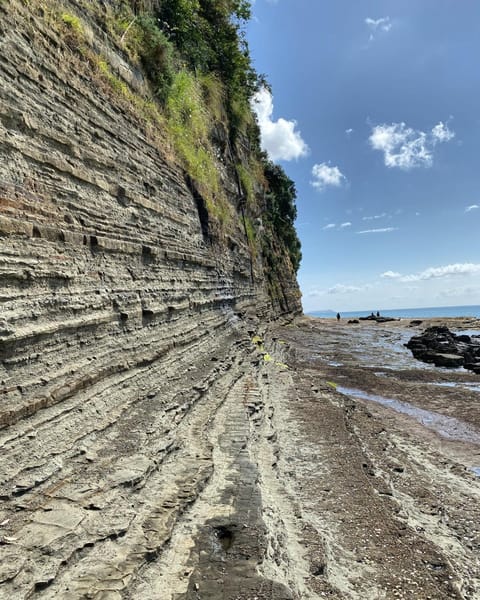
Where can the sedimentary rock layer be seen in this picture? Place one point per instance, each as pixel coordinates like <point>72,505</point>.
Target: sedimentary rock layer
<point>123,327</point>
<point>104,265</point>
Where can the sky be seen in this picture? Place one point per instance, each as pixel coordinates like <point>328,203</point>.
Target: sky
<point>374,113</point>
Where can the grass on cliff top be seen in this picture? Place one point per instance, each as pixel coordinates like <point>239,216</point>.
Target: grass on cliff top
<point>190,109</point>
<point>189,121</point>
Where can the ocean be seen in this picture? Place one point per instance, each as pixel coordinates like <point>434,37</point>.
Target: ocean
<point>406,313</point>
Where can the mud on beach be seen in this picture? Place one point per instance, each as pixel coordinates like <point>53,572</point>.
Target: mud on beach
<point>315,460</point>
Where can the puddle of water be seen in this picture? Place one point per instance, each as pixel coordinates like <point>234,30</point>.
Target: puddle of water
<point>471,387</point>
<point>476,470</point>
<point>225,537</point>
<point>471,332</point>
<point>447,427</point>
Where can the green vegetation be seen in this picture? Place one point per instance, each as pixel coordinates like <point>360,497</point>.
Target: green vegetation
<point>247,182</point>
<point>196,60</point>
<point>72,22</point>
<point>281,210</point>
<point>189,122</point>
<point>74,32</point>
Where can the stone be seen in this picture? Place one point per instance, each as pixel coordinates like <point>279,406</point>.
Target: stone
<point>447,360</point>
<point>438,345</point>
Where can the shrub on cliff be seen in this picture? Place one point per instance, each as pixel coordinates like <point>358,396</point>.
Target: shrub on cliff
<point>281,209</point>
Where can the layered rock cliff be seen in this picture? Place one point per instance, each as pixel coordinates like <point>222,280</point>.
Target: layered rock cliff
<point>126,312</point>
<point>107,264</point>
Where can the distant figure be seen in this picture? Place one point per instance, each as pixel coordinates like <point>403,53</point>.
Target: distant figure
<point>338,316</point>
<point>372,315</point>
<point>378,313</point>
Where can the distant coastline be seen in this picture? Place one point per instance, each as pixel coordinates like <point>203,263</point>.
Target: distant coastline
<point>406,313</point>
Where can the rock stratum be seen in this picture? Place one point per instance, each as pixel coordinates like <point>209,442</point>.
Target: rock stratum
<point>124,333</point>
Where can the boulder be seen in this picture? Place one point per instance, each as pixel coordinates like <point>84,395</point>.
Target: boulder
<point>438,345</point>
<point>448,360</point>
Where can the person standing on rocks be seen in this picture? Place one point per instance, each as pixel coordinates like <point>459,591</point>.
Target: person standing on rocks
<point>338,316</point>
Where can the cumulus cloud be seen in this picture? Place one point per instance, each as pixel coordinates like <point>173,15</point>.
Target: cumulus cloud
<point>407,148</point>
<point>324,175</point>
<point>381,230</point>
<point>279,138</point>
<point>472,207</point>
<point>349,131</point>
<point>445,271</point>
<point>390,275</point>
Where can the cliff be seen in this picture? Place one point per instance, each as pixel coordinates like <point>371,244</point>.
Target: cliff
<point>107,262</point>
<point>128,299</point>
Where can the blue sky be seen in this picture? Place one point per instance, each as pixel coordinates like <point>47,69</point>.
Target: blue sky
<point>375,115</point>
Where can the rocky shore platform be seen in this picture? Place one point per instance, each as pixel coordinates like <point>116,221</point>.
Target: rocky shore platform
<point>311,460</point>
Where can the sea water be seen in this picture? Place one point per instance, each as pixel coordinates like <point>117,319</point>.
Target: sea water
<point>406,313</point>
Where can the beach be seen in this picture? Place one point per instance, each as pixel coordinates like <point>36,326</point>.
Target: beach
<point>382,454</point>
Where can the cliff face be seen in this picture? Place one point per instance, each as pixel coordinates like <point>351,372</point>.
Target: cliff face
<point>125,322</point>
<point>107,263</point>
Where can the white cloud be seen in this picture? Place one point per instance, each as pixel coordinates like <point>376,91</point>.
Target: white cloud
<point>441,133</point>
<point>335,226</point>
<point>390,275</point>
<point>382,24</point>
<point>472,207</point>
<point>343,289</point>
<point>459,291</point>
<point>373,217</point>
<point>339,288</point>
<point>349,131</point>
<point>279,138</point>
<point>445,271</point>
<point>325,175</point>
<point>382,230</point>
<point>406,148</point>
<point>378,25</point>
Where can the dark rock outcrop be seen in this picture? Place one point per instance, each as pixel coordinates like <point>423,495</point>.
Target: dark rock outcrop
<point>438,345</point>
<point>378,319</point>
